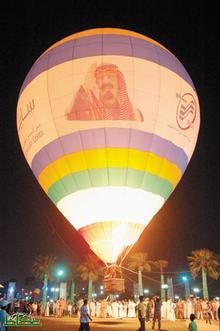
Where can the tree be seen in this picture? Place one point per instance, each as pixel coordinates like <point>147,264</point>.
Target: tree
<point>89,270</point>
<point>204,261</point>
<point>42,269</point>
<point>161,265</point>
<point>73,275</point>
<point>139,261</point>
<point>218,267</point>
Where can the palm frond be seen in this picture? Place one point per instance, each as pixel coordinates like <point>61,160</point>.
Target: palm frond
<point>204,259</point>
<point>43,265</point>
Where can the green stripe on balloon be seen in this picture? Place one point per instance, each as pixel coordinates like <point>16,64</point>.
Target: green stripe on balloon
<point>109,177</point>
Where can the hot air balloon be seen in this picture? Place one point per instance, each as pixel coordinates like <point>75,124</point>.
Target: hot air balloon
<point>108,120</point>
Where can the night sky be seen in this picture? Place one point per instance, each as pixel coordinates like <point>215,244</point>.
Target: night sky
<point>30,223</point>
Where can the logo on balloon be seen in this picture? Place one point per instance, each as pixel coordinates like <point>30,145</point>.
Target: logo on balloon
<point>186,111</point>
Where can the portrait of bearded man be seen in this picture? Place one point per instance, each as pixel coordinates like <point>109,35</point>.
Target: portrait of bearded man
<point>112,102</point>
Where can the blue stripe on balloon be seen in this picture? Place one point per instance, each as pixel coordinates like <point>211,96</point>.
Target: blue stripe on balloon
<point>108,137</point>
<point>106,45</point>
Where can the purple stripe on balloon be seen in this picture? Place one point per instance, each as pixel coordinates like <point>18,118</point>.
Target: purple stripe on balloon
<point>108,137</point>
<point>39,66</point>
<point>106,45</point>
<point>65,53</point>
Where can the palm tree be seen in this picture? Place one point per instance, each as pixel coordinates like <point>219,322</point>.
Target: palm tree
<point>89,270</point>
<point>42,269</point>
<point>218,268</point>
<point>161,265</point>
<point>139,261</point>
<point>206,262</point>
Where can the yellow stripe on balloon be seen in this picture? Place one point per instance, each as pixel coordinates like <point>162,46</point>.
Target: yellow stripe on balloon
<point>115,31</point>
<point>109,158</point>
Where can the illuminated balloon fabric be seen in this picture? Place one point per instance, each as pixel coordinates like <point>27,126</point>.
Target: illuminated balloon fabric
<point>108,120</point>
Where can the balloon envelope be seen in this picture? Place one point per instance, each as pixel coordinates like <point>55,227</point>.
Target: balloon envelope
<point>108,120</point>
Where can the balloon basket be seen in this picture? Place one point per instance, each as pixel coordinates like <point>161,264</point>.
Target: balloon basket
<point>114,285</point>
<point>114,282</point>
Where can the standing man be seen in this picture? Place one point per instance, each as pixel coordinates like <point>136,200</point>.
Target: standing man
<point>84,317</point>
<point>141,309</point>
<point>157,313</point>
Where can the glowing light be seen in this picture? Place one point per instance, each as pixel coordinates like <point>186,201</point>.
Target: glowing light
<point>124,221</point>
<point>185,278</point>
<point>106,203</point>
<point>60,272</point>
<point>196,290</point>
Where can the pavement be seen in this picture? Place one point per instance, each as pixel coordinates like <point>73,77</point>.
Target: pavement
<point>110,324</point>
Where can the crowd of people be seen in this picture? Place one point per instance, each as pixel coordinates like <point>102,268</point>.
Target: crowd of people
<point>126,308</point>
<point>145,309</point>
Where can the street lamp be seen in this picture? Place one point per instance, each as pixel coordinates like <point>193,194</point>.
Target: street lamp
<point>60,272</point>
<point>146,291</point>
<point>186,283</point>
<point>196,290</point>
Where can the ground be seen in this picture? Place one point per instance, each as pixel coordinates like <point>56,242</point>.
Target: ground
<point>127,324</point>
